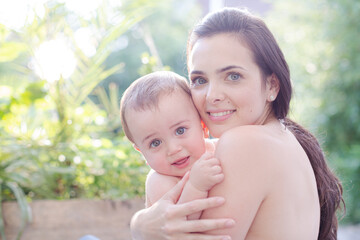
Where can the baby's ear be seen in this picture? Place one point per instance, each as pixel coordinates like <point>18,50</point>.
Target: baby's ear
<point>136,148</point>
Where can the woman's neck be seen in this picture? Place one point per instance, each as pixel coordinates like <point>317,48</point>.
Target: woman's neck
<point>267,117</point>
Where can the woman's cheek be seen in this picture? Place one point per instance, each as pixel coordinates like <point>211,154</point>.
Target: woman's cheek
<point>197,99</point>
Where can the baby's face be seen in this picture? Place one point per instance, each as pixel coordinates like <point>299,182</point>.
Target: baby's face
<point>170,137</point>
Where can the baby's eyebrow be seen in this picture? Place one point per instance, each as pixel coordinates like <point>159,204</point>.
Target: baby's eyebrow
<point>147,137</point>
<point>178,123</point>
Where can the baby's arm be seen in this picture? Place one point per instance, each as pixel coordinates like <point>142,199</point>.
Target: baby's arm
<point>157,185</point>
<point>204,174</point>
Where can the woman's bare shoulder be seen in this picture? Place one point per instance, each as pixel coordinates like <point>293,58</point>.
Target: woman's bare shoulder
<point>248,131</point>
<point>252,151</point>
<point>247,179</point>
<point>243,140</point>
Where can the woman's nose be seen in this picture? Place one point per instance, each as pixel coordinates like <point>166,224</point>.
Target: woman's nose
<point>214,94</point>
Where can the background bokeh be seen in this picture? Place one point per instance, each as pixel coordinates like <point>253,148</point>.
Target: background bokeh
<point>64,65</point>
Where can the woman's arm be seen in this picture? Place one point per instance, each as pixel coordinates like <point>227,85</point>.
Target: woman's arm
<point>166,220</point>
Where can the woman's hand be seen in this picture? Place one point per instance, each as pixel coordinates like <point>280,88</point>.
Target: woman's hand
<point>167,220</point>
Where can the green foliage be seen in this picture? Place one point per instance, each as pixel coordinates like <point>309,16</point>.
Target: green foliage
<point>151,64</point>
<point>160,38</point>
<point>320,41</point>
<point>71,141</point>
<point>348,169</point>
<point>56,141</point>
<point>13,173</point>
<point>342,100</point>
<point>66,128</point>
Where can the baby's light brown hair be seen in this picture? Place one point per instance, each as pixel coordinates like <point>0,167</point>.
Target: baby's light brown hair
<point>144,93</point>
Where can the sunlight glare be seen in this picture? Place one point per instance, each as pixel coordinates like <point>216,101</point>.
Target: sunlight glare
<point>15,14</point>
<point>53,60</point>
<point>86,41</point>
<point>84,8</point>
<point>5,92</point>
<point>7,16</point>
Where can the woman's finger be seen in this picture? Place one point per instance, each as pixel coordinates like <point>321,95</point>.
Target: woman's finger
<point>204,225</point>
<point>194,206</point>
<point>195,236</point>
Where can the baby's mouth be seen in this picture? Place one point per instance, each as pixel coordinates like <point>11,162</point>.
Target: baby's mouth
<point>182,163</point>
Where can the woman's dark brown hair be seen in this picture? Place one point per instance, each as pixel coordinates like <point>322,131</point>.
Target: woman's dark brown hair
<point>270,59</point>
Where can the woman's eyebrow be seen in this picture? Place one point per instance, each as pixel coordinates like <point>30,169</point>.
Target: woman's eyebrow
<point>221,70</point>
<point>196,72</point>
<point>228,68</point>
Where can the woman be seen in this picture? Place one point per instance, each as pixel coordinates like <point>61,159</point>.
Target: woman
<point>277,184</point>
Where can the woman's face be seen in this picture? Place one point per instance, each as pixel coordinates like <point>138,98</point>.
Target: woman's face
<point>226,84</point>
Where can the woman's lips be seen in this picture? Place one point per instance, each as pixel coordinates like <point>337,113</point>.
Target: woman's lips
<point>181,163</point>
<point>220,115</point>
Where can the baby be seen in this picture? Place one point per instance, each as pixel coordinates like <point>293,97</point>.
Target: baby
<point>160,119</point>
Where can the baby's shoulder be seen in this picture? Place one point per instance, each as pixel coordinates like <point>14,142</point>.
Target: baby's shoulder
<point>157,185</point>
<point>154,178</point>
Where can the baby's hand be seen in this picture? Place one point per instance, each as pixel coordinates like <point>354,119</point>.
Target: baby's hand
<point>206,172</point>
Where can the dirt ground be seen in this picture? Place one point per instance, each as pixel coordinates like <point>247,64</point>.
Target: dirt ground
<point>105,219</point>
<point>72,219</point>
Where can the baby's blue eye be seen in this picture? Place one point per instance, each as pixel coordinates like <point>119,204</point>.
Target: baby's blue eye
<point>180,131</point>
<point>234,76</point>
<point>155,143</point>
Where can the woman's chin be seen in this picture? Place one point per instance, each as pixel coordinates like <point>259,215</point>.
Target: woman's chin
<point>218,130</point>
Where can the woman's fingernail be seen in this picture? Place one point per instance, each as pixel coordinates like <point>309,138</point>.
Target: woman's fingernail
<point>226,238</point>
<point>230,223</point>
<point>220,200</point>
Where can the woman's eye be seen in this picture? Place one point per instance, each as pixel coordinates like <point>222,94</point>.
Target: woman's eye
<point>198,81</point>
<point>233,76</point>
<point>180,131</point>
<point>155,143</point>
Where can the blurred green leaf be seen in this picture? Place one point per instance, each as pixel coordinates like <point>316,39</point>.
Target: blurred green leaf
<point>11,50</point>
<point>320,46</point>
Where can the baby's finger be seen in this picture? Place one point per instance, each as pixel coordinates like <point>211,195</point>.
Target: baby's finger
<point>216,169</point>
<point>213,161</point>
<point>207,155</point>
<point>218,178</point>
